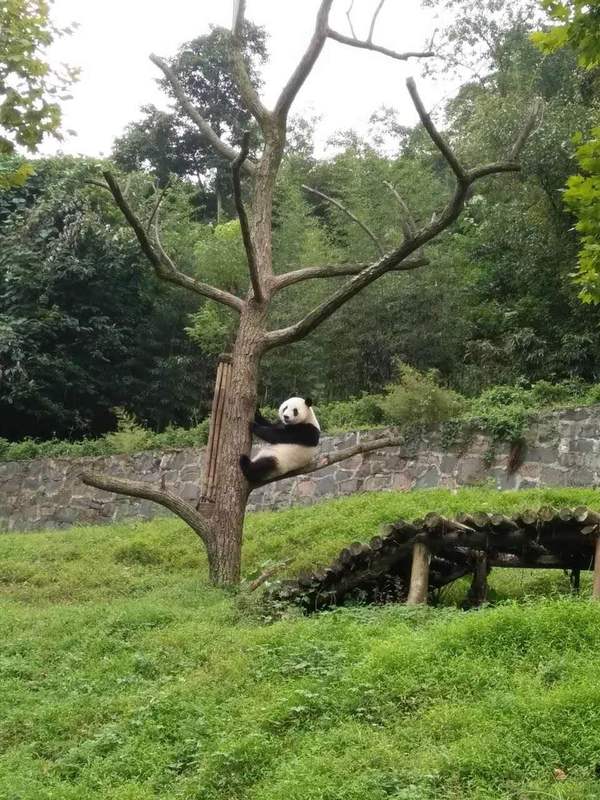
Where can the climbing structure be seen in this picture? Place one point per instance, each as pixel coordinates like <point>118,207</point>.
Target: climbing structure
<point>410,561</point>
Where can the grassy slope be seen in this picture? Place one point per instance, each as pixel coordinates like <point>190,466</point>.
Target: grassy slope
<point>124,676</point>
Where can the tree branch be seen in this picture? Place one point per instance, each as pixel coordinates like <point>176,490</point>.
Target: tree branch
<point>159,200</point>
<point>349,18</point>
<point>434,134</point>
<point>268,573</point>
<point>366,45</point>
<point>243,217</point>
<point>336,271</point>
<point>163,265</point>
<point>532,122</point>
<point>145,491</point>
<point>307,62</point>
<point>374,20</point>
<point>348,213</point>
<point>240,71</point>
<point>464,181</point>
<point>222,148</point>
<point>327,459</point>
<point>407,222</point>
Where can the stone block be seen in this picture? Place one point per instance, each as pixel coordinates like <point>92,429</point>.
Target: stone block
<point>325,486</point>
<point>428,479</point>
<point>553,476</point>
<point>402,482</point>
<point>376,483</point>
<point>470,470</point>
<point>581,477</point>
<point>529,470</point>
<point>306,488</point>
<point>541,454</point>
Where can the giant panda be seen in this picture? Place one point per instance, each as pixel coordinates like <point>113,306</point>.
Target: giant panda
<point>292,442</point>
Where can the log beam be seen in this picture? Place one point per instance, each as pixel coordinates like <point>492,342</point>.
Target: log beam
<point>419,575</point>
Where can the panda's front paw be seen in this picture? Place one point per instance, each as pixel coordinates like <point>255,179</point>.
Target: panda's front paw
<point>258,417</point>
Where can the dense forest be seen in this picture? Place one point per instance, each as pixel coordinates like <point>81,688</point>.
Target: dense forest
<point>86,328</point>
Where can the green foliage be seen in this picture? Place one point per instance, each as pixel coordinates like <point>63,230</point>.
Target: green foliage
<point>353,414</point>
<point>84,325</point>
<point>125,675</point>
<point>582,197</point>
<point>578,27</point>
<point>418,399</point>
<point>14,171</point>
<point>130,437</point>
<point>415,400</point>
<point>30,90</point>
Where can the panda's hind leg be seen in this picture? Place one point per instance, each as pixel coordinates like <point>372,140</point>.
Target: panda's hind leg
<point>258,470</point>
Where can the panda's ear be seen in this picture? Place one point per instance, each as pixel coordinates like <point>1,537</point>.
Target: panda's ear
<point>308,401</point>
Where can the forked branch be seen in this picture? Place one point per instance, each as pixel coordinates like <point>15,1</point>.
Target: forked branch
<point>147,492</point>
<point>464,181</point>
<point>348,213</point>
<point>219,146</point>
<point>243,217</point>
<point>163,265</point>
<point>367,44</point>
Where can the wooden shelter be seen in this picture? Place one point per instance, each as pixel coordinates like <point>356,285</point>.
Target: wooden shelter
<point>410,561</point>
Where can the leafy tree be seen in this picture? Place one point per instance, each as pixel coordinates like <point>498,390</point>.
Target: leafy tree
<point>30,89</point>
<point>578,28</point>
<point>85,328</point>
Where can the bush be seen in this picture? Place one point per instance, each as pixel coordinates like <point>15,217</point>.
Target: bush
<point>417,398</point>
<point>360,412</point>
<point>130,437</point>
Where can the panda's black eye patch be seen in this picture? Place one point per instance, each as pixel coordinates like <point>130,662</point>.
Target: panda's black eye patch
<point>295,412</point>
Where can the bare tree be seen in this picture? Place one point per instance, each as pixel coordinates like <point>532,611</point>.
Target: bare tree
<point>219,523</point>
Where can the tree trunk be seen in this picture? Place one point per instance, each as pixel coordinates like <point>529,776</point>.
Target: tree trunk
<point>232,489</point>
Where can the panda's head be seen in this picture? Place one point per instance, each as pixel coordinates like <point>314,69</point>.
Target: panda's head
<point>297,409</point>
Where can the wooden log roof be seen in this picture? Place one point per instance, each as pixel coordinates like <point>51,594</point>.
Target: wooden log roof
<point>379,570</point>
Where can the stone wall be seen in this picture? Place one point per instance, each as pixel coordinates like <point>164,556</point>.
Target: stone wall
<point>563,449</point>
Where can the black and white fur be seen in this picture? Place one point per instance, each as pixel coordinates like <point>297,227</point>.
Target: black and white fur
<point>292,441</point>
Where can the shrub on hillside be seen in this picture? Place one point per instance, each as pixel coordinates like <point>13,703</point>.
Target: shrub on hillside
<point>359,412</point>
<point>418,398</point>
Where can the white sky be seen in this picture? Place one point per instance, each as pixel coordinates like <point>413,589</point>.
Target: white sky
<point>115,37</point>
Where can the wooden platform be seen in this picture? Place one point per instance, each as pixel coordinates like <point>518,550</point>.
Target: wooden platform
<point>410,561</point>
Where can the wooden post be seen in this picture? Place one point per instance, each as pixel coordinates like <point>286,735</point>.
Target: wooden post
<point>419,575</point>
<point>596,583</point>
<point>479,588</point>
<point>575,580</point>
<point>211,454</point>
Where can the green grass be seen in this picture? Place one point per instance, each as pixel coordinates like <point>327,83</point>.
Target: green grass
<point>124,676</point>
